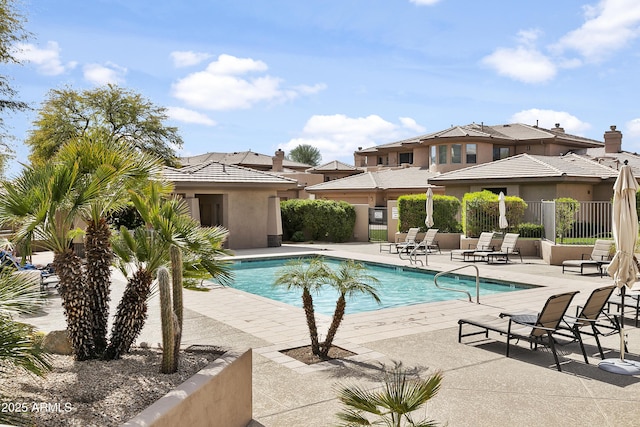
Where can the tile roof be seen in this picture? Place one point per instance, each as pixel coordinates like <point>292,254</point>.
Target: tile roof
<point>530,167</point>
<point>613,160</point>
<point>220,173</point>
<point>245,158</point>
<point>379,180</point>
<point>332,166</point>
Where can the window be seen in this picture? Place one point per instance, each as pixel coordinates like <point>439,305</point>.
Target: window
<point>382,160</point>
<point>442,154</point>
<point>456,153</point>
<point>433,154</point>
<point>500,153</point>
<point>472,151</point>
<point>405,158</point>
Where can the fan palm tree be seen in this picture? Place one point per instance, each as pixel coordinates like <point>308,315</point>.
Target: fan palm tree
<point>133,170</point>
<point>167,223</point>
<point>350,279</point>
<point>309,277</point>
<point>394,405</point>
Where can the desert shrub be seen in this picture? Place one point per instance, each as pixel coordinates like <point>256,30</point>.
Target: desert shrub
<point>412,213</point>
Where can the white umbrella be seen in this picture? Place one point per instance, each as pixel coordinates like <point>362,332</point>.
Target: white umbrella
<point>622,267</point>
<point>502,222</point>
<point>429,219</point>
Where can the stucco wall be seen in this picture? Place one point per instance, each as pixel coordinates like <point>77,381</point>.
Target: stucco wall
<point>361,229</point>
<point>218,396</point>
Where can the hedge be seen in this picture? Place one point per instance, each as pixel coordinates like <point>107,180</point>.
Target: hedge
<point>412,212</point>
<point>326,220</point>
<point>480,212</point>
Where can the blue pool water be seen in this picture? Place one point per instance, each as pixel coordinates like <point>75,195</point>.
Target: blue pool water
<point>398,286</point>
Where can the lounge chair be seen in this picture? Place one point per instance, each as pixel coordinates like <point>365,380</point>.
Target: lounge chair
<point>631,300</point>
<point>599,256</point>
<point>484,244</point>
<point>536,329</point>
<point>508,248</point>
<point>591,319</point>
<point>409,241</point>
<point>427,244</point>
<point>47,275</point>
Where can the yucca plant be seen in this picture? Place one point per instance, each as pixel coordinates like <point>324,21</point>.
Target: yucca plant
<point>394,405</point>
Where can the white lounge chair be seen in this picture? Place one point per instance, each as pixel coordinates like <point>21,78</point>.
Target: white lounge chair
<point>484,244</point>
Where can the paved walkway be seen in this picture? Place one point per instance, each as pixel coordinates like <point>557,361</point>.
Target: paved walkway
<point>481,387</point>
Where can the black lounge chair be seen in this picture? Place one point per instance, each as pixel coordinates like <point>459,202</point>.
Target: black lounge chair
<point>591,319</point>
<point>536,329</point>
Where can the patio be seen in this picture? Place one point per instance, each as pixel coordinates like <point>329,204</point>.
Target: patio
<point>481,387</point>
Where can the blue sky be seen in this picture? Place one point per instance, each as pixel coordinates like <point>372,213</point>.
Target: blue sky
<point>261,75</point>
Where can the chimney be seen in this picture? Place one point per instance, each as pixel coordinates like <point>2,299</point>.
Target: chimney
<point>558,128</point>
<point>613,140</point>
<point>277,161</point>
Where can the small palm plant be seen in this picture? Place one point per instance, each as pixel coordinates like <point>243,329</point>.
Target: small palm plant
<point>394,405</point>
<point>19,295</point>
<point>350,279</point>
<point>308,277</point>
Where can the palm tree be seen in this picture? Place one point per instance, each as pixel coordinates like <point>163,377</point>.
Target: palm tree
<point>309,277</point>
<point>392,406</point>
<point>350,279</point>
<point>132,168</point>
<point>139,254</point>
<point>167,223</point>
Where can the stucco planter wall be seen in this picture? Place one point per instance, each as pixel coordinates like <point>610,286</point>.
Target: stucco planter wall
<point>217,396</point>
<point>554,254</point>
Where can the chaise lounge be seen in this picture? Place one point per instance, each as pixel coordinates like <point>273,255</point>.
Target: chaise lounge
<point>598,257</point>
<point>484,244</point>
<point>508,248</point>
<point>536,329</point>
<point>426,245</point>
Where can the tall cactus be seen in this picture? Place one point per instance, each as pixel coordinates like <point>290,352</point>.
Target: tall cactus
<point>169,322</point>
<point>176,281</point>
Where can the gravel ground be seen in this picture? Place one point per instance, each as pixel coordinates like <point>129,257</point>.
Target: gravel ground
<point>95,392</point>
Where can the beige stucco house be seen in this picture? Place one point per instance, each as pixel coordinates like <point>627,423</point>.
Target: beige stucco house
<point>243,200</point>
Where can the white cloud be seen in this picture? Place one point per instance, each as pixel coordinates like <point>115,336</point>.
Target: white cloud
<point>424,2</point>
<point>548,118</point>
<point>221,87</point>
<point>104,74</point>
<point>525,62</point>
<point>633,128</point>
<point>189,116</point>
<point>188,58</point>
<point>411,124</point>
<point>47,59</point>
<point>338,136</point>
<point>609,26</point>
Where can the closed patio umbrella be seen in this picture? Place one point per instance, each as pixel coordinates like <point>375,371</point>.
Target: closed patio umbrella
<point>429,219</point>
<point>502,221</point>
<point>622,267</point>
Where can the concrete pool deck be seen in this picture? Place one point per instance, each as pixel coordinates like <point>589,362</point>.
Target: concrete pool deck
<point>481,387</point>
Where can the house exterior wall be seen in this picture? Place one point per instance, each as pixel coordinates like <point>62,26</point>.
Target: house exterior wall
<point>368,199</point>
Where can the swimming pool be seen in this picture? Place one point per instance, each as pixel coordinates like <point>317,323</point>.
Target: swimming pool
<point>399,286</point>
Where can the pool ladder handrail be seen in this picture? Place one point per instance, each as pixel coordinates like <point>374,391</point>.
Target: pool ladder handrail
<point>413,256</point>
<point>435,281</point>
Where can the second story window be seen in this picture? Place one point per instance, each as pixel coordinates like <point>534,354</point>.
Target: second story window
<point>472,151</point>
<point>456,153</point>
<point>442,154</point>
<point>405,158</point>
<point>433,154</point>
<point>500,153</point>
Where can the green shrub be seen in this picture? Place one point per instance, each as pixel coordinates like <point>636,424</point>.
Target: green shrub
<point>412,213</point>
<point>327,220</point>
<point>529,229</point>
<point>298,236</point>
<point>480,212</point>
<point>566,209</point>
